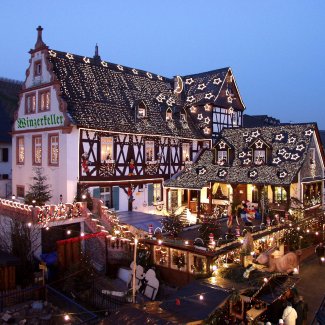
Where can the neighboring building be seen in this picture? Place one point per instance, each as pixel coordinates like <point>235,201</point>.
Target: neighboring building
<point>250,121</point>
<point>278,162</point>
<point>115,131</point>
<point>9,90</point>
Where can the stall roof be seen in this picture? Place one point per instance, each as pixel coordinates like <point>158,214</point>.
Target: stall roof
<point>191,307</point>
<point>275,287</point>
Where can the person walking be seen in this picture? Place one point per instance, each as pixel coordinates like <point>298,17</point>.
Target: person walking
<point>320,252</point>
<point>301,309</point>
<point>289,315</point>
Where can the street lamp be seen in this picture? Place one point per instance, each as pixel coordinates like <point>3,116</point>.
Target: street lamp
<point>13,197</point>
<point>34,202</point>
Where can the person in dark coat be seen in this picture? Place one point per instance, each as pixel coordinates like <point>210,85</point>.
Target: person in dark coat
<point>301,309</point>
<point>320,252</point>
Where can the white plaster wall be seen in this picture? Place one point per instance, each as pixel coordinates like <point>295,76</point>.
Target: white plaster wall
<point>5,166</point>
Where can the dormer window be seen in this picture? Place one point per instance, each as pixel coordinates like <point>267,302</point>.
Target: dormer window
<point>260,152</point>
<point>142,110</point>
<point>169,115</point>
<point>37,68</point>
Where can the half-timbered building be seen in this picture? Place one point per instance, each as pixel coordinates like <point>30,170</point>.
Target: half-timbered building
<point>114,131</point>
<point>280,163</point>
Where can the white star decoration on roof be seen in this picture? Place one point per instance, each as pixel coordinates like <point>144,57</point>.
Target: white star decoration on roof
<point>135,71</point>
<point>207,120</point>
<point>256,133</point>
<point>245,134</point>
<point>246,161</point>
<point>259,144</point>
<point>208,96</point>
<point>222,144</point>
<point>193,109</point>
<point>276,160</point>
<point>149,75</point>
<point>69,56</point>
<point>292,139</point>
<point>120,67</point>
<point>189,81</point>
<point>169,102</point>
<point>190,99</point>
<point>217,81</point>
<point>104,64</point>
<point>279,137</point>
<point>295,156</point>
<point>230,110</point>
<point>222,173</point>
<point>282,151</point>
<point>160,77</point>
<point>159,99</point>
<point>206,130</point>
<point>309,132</point>
<point>200,117</point>
<point>229,99</point>
<point>201,86</point>
<point>52,53</point>
<point>249,154</point>
<point>248,139</point>
<point>283,174</point>
<point>287,155</point>
<point>300,147</point>
<point>207,107</point>
<point>242,154</point>
<point>202,171</point>
<point>86,60</point>
<point>253,173</point>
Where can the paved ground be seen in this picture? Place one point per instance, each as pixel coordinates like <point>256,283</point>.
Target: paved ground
<point>140,220</point>
<point>312,285</point>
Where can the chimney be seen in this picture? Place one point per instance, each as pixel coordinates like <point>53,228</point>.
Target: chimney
<point>39,43</point>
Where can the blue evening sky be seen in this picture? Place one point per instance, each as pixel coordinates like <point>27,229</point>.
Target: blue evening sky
<point>276,48</point>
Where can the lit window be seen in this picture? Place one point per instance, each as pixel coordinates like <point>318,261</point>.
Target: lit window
<point>222,157</point>
<point>30,103</point>
<point>157,192</point>
<point>142,110</point>
<point>169,115</point>
<point>37,150</point>
<point>150,150</point>
<point>185,152</point>
<point>54,149</point>
<point>280,195</point>
<point>20,150</point>
<point>44,100</point>
<point>106,148</point>
<point>259,157</point>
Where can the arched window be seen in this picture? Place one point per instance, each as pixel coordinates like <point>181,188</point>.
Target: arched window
<point>142,110</point>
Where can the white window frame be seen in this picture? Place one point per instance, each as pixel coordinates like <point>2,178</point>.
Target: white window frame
<point>54,147</point>
<point>107,148</point>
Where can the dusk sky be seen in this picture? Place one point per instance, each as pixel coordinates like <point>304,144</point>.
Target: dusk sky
<point>276,48</point>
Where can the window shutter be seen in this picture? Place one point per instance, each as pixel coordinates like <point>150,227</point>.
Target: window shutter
<point>116,198</point>
<point>5,154</point>
<point>150,194</point>
<point>96,193</point>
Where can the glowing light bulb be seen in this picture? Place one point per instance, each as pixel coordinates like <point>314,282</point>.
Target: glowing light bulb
<point>201,297</point>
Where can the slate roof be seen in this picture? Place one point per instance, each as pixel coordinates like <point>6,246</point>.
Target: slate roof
<point>191,307</point>
<point>103,95</point>
<point>9,90</point>
<point>289,145</point>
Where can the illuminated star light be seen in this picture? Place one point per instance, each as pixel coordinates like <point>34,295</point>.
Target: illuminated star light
<point>242,154</point>
<point>283,174</point>
<point>69,56</point>
<point>255,134</point>
<point>208,95</point>
<point>104,64</point>
<point>86,60</point>
<point>300,147</point>
<point>295,156</point>
<point>207,120</point>
<point>120,67</point>
<point>201,86</point>
<point>193,109</point>
<point>206,130</point>
<point>292,140</point>
<point>287,155</point>
<point>149,75</point>
<point>229,99</point>
<point>159,99</point>
<point>282,151</point>
<point>259,144</point>
<point>189,81</point>
<point>200,117</point>
<point>248,139</point>
<point>276,160</point>
<point>309,132</point>
<point>222,173</point>
<point>222,145</point>
<point>160,77</point>
<point>190,99</point>
<point>279,137</point>
<point>52,53</point>
<point>247,161</point>
<point>207,107</point>
<point>253,173</point>
<point>217,81</point>
<point>245,134</point>
<point>135,71</point>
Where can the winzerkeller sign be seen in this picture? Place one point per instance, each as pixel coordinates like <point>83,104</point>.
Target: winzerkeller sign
<point>40,122</point>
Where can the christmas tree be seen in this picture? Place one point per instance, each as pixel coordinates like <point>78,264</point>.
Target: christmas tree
<point>39,191</point>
